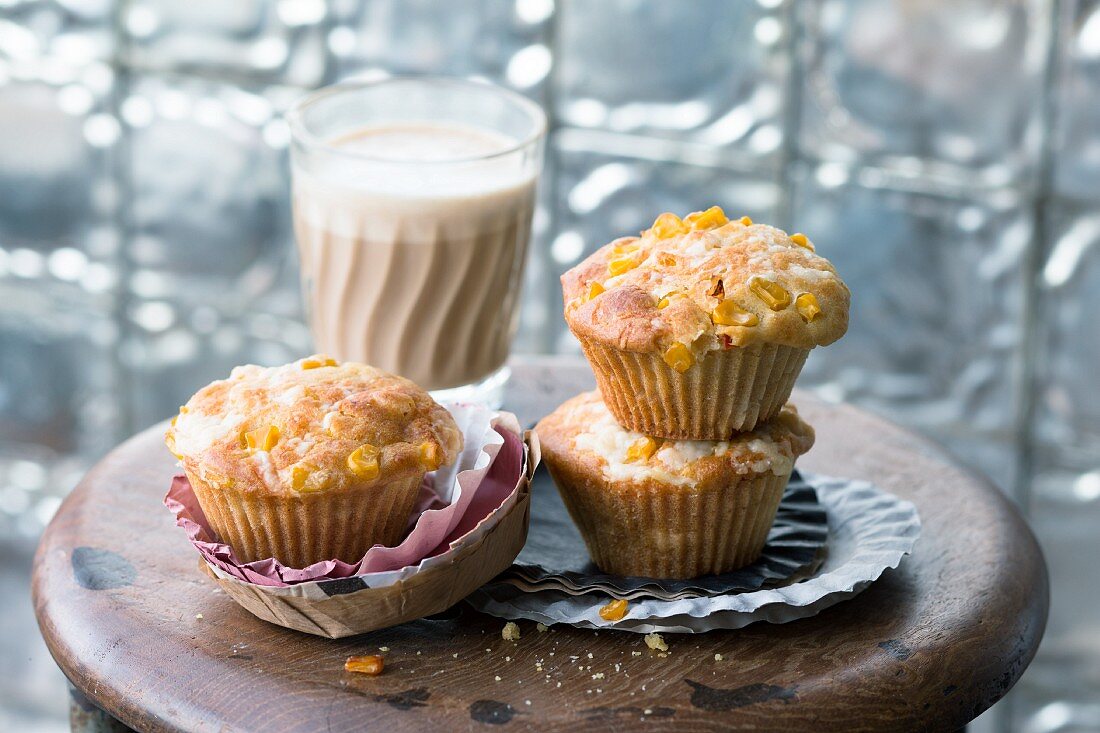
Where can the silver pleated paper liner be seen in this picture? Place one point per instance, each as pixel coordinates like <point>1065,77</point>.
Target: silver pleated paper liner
<point>555,557</point>
<point>869,532</point>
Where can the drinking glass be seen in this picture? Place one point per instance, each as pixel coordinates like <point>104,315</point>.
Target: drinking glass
<point>413,200</point>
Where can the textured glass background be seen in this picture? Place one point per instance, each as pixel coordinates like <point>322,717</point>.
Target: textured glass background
<point>945,155</point>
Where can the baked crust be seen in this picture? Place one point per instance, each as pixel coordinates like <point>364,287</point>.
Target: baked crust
<point>674,465</point>
<point>322,411</point>
<point>686,268</point>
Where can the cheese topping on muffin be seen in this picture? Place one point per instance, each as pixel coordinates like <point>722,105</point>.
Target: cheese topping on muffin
<point>311,425</point>
<point>625,455</point>
<point>705,282</point>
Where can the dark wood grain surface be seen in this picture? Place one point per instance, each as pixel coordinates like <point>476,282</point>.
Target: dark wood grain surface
<point>143,633</point>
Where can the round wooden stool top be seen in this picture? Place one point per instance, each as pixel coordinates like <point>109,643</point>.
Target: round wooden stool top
<point>143,633</point>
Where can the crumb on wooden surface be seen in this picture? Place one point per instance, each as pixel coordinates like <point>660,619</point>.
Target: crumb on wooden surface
<point>369,664</point>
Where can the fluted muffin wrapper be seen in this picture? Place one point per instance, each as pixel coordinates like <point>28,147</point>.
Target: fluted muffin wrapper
<point>727,391</point>
<point>302,529</point>
<point>870,531</point>
<point>666,531</point>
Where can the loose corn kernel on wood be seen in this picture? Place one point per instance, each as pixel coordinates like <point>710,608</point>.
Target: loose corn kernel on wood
<point>619,265</point>
<point>773,294</point>
<point>641,450</point>
<point>802,241</point>
<point>614,611</point>
<point>747,221</point>
<point>656,641</point>
<point>668,225</point>
<point>317,361</point>
<point>371,664</point>
<point>807,306</point>
<point>430,455</point>
<point>363,461</point>
<point>510,632</point>
<point>679,357</point>
<point>595,289</point>
<point>729,313</point>
<point>261,438</point>
<point>709,219</point>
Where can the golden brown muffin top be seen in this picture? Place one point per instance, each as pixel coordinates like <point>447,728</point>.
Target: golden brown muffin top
<point>584,428</point>
<point>311,425</point>
<point>706,282</point>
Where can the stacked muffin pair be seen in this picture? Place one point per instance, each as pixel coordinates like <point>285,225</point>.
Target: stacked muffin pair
<point>696,332</point>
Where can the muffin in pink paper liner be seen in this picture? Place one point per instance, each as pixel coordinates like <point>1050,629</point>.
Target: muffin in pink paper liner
<point>311,460</point>
<point>469,523</point>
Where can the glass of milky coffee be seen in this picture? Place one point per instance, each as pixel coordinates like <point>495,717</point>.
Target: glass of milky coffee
<point>412,210</point>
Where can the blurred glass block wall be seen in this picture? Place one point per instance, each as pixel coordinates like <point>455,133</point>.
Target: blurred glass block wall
<point>946,156</point>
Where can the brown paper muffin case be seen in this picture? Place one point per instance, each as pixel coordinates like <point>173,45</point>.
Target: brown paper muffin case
<point>727,391</point>
<point>366,608</point>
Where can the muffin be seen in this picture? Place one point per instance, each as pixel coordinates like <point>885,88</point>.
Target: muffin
<point>669,509</point>
<point>699,327</point>
<point>310,461</point>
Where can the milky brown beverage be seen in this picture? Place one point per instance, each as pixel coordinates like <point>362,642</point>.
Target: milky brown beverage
<point>412,244</point>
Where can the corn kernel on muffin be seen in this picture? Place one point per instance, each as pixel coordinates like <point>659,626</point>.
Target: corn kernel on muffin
<point>699,327</point>
<point>312,460</point>
<point>669,508</point>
